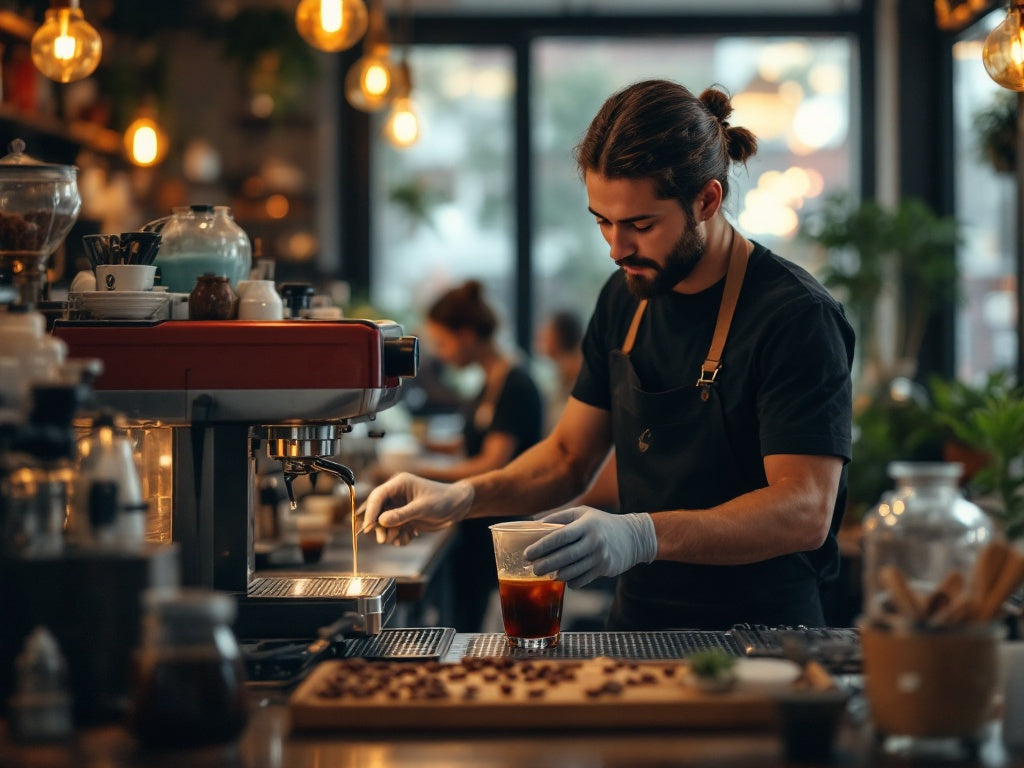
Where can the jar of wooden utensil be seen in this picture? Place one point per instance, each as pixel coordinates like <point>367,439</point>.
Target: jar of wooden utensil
<point>926,529</point>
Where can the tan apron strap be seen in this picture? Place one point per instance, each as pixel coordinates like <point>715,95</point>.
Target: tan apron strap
<point>738,257</point>
<point>627,345</point>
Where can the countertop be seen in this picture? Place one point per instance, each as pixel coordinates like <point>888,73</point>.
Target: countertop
<point>268,742</point>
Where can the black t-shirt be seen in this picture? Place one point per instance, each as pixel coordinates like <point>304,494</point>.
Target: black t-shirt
<point>518,412</point>
<point>786,366</point>
<point>785,377</point>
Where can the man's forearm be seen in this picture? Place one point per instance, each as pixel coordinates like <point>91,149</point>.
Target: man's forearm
<point>542,477</point>
<point>792,514</point>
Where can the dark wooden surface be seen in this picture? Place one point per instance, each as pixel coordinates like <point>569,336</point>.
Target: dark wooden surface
<point>269,743</point>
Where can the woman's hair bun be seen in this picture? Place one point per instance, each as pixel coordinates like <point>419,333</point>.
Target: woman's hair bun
<point>473,290</point>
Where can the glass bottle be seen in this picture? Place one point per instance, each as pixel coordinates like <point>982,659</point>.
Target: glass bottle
<point>190,680</point>
<point>236,243</point>
<point>197,240</point>
<point>924,527</point>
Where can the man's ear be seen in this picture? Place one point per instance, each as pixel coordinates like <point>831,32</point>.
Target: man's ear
<point>709,200</point>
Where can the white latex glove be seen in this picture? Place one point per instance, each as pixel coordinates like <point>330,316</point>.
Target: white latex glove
<point>406,504</point>
<point>592,544</point>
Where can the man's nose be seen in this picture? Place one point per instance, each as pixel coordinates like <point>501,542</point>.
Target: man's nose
<point>621,242</point>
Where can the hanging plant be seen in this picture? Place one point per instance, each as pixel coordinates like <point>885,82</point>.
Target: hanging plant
<point>997,132</point>
<point>273,58</point>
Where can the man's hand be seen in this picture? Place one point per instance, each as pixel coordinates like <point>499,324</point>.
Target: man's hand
<point>407,504</point>
<point>592,544</point>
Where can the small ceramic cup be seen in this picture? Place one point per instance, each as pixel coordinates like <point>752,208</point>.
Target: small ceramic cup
<point>125,277</point>
<point>259,301</point>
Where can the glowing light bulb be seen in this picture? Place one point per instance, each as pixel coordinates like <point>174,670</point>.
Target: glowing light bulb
<point>368,83</point>
<point>331,25</point>
<point>144,142</point>
<point>66,47</point>
<point>1003,54</point>
<point>403,126</point>
<point>376,79</point>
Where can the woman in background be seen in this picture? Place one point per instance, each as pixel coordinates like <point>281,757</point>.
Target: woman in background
<point>500,422</point>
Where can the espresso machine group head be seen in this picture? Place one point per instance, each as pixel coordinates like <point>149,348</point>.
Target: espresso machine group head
<point>303,450</point>
<point>225,389</point>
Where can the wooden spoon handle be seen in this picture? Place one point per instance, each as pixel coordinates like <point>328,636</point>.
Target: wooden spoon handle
<point>903,597</point>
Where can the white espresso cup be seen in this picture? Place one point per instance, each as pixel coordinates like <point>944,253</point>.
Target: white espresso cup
<point>125,277</point>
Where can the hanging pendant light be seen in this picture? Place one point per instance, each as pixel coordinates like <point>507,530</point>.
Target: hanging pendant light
<point>144,142</point>
<point>402,128</point>
<point>1003,54</point>
<point>331,25</point>
<point>370,81</point>
<point>66,47</point>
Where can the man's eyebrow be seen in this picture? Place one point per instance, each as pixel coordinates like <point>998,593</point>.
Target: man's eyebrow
<point>627,220</point>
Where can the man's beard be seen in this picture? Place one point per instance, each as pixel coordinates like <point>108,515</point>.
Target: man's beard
<point>679,263</point>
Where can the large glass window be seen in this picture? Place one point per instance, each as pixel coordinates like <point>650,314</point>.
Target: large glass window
<point>443,209</point>
<point>986,335</point>
<point>795,94</point>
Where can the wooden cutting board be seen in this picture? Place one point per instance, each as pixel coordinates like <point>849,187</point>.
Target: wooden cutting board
<point>498,693</point>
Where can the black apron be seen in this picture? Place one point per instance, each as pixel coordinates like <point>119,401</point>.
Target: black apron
<point>673,452</point>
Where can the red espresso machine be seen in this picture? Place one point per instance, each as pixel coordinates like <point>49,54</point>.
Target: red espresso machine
<point>227,390</point>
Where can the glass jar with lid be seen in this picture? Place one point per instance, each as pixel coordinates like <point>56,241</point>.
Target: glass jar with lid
<point>39,203</point>
<point>924,527</point>
<point>190,679</point>
<point>197,240</point>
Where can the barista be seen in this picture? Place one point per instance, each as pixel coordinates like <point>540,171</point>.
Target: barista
<point>719,371</point>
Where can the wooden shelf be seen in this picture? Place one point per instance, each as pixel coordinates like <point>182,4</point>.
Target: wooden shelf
<point>90,135</point>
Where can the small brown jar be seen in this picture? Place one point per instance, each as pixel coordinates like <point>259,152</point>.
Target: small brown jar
<point>212,298</point>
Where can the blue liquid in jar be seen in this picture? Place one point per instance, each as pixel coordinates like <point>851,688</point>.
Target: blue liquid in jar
<point>179,271</point>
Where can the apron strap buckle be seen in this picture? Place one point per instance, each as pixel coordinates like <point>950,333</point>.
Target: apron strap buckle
<point>708,374</point>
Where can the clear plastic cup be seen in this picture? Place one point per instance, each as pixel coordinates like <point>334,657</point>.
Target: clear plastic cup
<point>531,606</point>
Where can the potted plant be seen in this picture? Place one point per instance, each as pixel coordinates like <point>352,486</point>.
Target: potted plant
<point>996,428</point>
<point>996,126</point>
<point>910,250</point>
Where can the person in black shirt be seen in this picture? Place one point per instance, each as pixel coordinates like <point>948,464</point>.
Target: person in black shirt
<point>499,423</point>
<point>719,371</point>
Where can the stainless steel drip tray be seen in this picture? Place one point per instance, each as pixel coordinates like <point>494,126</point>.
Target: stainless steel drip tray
<point>298,605</point>
<point>302,586</point>
<point>587,645</point>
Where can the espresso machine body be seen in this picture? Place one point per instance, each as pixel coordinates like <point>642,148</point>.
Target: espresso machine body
<point>228,391</point>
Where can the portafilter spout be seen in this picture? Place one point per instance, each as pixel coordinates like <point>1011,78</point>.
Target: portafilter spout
<point>312,466</point>
<point>302,450</point>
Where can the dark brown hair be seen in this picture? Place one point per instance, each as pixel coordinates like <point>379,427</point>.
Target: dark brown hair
<point>659,130</point>
<point>464,307</point>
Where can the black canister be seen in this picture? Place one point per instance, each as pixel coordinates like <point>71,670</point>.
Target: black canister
<point>297,298</point>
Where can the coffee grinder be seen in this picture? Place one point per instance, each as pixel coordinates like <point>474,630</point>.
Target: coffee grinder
<point>227,390</point>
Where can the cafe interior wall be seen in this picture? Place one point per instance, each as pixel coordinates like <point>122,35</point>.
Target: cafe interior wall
<point>274,165</point>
